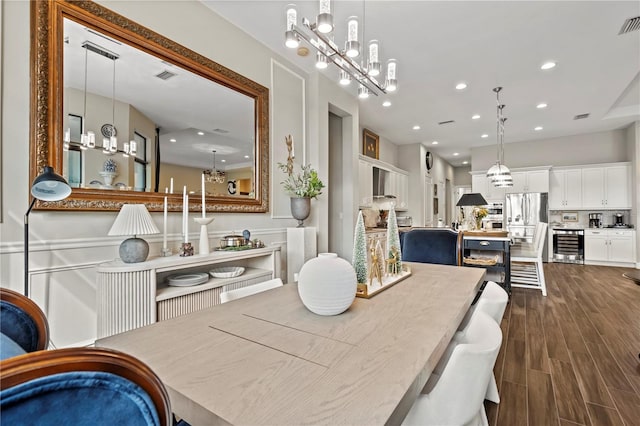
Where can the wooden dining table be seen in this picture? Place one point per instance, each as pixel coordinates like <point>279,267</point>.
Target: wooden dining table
<point>267,360</point>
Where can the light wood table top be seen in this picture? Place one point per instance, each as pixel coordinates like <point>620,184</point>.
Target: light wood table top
<point>266,359</point>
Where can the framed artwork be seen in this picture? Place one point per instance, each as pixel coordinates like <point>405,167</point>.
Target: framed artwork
<point>569,216</point>
<point>370,144</point>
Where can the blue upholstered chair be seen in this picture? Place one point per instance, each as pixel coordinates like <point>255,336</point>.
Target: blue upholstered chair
<point>23,326</point>
<point>81,386</point>
<point>441,246</point>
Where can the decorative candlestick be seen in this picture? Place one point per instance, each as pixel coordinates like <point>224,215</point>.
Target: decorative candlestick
<point>204,204</point>
<point>204,233</point>
<point>166,251</point>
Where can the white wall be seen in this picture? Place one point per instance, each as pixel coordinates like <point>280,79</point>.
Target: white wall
<point>462,176</point>
<point>66,245</point>
<point>600,147</point>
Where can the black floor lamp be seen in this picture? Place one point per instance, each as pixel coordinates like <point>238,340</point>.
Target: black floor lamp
<point>48,186</point>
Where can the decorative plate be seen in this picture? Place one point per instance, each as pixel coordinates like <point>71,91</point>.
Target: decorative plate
<point>108,130</point>
<point>186,280</point>
<point>227,271</point>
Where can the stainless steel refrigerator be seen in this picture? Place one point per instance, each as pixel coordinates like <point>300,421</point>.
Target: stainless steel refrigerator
<point>523,212</point>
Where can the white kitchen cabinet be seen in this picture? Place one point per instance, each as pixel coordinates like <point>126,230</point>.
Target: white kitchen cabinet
<point>480,183</point>
<point>402,202</point>
<point>565,189</point>
<point>606,187</point>
<point>529,181</point>
<point>609,245</point>
<point>365,183</point>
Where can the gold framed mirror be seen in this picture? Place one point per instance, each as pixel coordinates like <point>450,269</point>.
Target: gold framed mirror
<point>107,114</point>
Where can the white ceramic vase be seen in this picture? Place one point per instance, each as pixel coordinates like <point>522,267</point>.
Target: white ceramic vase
<point>327,284</point>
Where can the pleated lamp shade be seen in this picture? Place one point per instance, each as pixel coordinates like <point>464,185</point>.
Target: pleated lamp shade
<point>133,219</point>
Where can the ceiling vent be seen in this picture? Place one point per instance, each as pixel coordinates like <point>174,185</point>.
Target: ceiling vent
<point>446,122</point>
<point>631,24</point>
<point>223,131</point>
<point>581,116</point>
<point>166,75</point>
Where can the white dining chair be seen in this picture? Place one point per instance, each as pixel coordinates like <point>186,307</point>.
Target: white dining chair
<point>456,395</point>
<point>493,302</point>
<point>526,266</point>
<point>239,293</point>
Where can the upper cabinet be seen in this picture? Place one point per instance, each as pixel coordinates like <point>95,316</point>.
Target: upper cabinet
<point>565,189</point>
<point>529,181</point>
<point>396,182</point>
<point>365,183</point>
<point>606,187</point>
<point>480,183</point>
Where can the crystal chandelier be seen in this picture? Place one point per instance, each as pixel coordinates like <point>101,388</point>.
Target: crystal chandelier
<point>319,37</point>
<point>500,174</point>
<point>213,175</point>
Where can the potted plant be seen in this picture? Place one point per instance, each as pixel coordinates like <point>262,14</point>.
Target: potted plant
<point>478,214</point>
<point>301,187</point>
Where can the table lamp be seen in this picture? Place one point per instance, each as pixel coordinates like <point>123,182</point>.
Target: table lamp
<point>471,199</point>
<point>48,186</point>
<point>133,219</point>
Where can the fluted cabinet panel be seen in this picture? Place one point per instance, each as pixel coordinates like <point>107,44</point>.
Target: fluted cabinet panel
<point>126,300</point>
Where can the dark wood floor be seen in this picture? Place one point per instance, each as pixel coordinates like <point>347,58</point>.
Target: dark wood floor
<point>571,357</point>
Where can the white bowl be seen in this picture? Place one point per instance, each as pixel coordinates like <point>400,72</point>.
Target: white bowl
<point>226,271</point>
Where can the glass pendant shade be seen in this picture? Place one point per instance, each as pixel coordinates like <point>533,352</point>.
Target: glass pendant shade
<point>325,19</point>
<point>291,39</point>
<point>363,92</point>
<point>133,148</point>
<point>91,140</point>
<point>345,78</point>
<point>353,46</point>
<point>113,144</point>
<point>321,59</point>
<point>125,152</point>
<point>374,63</point>
<point>105,145</point>
<point>391,82</point>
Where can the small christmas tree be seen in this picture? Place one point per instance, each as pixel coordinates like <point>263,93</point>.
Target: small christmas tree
<point>393,239</point>
<point>359,260</point>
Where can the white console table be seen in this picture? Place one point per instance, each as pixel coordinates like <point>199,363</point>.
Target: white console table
<point>132,295</point>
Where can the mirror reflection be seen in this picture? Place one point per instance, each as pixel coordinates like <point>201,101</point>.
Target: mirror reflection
<point>133,122</point>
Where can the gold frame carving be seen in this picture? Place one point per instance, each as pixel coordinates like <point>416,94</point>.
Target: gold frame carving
<point>46,109</point>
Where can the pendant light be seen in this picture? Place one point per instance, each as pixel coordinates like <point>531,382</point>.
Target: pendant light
<point>318,35</point>
<point>84,137</point>
<point>499,173</point>
<point>113,139</point>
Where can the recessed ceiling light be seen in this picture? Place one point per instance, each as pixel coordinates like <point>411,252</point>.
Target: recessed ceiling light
<point>465,162</point>
<point>461,86</point>
<point>416,127</point>
<point>455,154</point>
<point>484,135</point>
<point>246,156</point>
<point>541,105</point>
<point>223,161</point>
<point>172,140</point>
<point>548,65</point>
<point>475,117</point>
<point>537,129</point>
<point>201,133</point>
<point>434,143</point>
<point>386,104</point>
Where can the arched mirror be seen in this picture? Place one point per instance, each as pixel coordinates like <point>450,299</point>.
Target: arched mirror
<point>128,116</point>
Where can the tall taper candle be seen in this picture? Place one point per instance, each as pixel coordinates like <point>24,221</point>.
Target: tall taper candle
<point>171,186</point>
<point>203,202</point>
<point>184,209</point>
<point>164,231</point>
<point>186,220</point>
